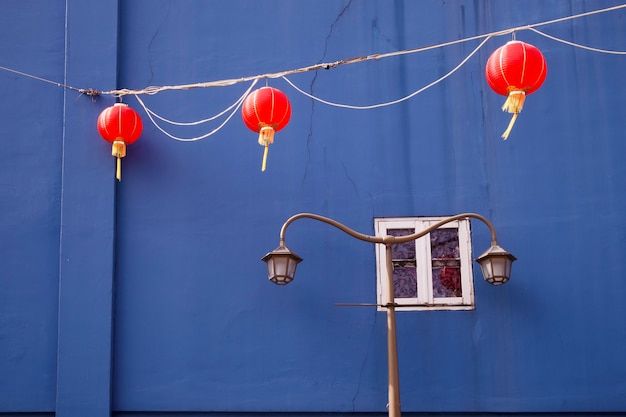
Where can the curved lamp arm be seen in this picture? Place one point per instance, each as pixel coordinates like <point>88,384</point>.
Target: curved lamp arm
<point>495,262</point>
<point>386,239</point>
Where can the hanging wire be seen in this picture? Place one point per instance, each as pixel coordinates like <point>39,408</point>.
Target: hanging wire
<point>151,90</point>
<point>236,106</point>
<point>152,115</point>
<point>198,122</point>
<point>87,91</point>
<point>389,103</point>
<point>588,48</point>
<point>329,65</point>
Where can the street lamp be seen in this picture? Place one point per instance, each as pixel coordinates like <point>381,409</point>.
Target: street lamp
<point>495,264</point>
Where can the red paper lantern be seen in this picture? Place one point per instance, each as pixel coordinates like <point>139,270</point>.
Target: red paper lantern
<point>266,110</point>
<point>515,70</point>
<point>119,125</point>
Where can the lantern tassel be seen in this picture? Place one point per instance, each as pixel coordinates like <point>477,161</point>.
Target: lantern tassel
<point>506,133</point>
<point>118,171</point>
<point>264,164</point>
<point>513,104</point>
<point>119,151</point>
<point>266,138</point>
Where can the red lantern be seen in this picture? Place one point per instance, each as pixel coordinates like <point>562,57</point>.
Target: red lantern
<point>515,70</point>
<point>121,126</point>
<point>266,110</point>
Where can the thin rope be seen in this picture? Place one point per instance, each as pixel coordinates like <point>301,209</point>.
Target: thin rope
<point>316,67</point>
<point>329,65</point>
<point>575,16</point>
<point>238,104</point>
<point>198,122</point>
<point>554,38</point>
<point>151,90</point>
<point>45,80</point>
<point>389,103</point>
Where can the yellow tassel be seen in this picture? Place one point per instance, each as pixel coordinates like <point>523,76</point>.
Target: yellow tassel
<point>513,104</point>
<point>505,135</point>
<point>118,150</point>
<point>118,171</point>
<point>263,166</point>
<point>266,138</point>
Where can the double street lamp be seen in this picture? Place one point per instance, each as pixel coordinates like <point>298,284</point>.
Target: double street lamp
<point>495,264</point>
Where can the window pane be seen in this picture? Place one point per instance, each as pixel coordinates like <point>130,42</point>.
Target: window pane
<point>403,260</point>
<point>446,264</point>
<point>444,244</point>
<point>402,250</point>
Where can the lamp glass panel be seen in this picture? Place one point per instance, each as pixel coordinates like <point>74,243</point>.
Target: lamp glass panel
<point>270,267</point>
<point>499,266</point>
<point>486,267</point>
<point>509,264</point>
<point>291,268</point>
<point>281,263</point>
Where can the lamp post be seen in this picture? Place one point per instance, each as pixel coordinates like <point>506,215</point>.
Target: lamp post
<point>495,264</point>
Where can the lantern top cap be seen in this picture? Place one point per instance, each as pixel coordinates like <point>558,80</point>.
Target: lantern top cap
<point>281,251</point>
<point>495,250</point>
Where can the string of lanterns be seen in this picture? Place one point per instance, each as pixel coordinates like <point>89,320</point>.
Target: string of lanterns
<point>514,70</point>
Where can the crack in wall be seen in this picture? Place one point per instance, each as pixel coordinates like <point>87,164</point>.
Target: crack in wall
<point>349,178</point>
<point>367,350</point>
<point>312,85</point>
<point>152,39</point>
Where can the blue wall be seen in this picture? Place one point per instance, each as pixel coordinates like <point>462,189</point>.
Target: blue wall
<point>30,192</point>
<point>148,295</point>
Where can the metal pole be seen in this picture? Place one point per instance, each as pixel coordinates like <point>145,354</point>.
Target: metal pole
<point>392,342</point>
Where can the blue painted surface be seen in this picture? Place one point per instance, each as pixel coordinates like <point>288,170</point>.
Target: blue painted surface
<point>168,281</point>
<point>30,182</point>
<point>86,282</point>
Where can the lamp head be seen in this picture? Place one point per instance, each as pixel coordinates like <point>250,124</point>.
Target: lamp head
<point>495,264</point>
<point>281,265</point>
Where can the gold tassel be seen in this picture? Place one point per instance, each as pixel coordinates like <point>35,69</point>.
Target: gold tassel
<point>118,150</point>
<point>513,104</point>
<point>266,138</point>
<point>118,171</point>
<point>505,135</point>
<point>263,166</point>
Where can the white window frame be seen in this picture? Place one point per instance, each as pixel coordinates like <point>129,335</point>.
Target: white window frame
<point>425,299</point>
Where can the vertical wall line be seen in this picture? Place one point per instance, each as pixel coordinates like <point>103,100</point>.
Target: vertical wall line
<point>87,231</point>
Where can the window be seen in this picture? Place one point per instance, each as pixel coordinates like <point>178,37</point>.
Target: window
<point>432,272</point>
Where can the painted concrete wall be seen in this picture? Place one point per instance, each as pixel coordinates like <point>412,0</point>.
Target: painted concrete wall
<point>148,295</point>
